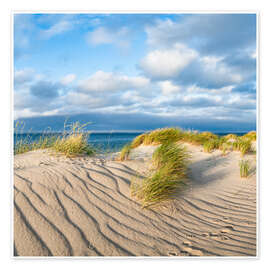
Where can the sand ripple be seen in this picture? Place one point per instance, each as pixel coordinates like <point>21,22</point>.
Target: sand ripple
<point>82,207</point>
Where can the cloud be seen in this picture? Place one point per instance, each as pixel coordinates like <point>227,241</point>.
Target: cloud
<point>28,105</point>
<point>85,100</point>
<point>195,68</point>
<point>168,87</point>
<point>24,75</point>
<point>144,121</point>
<point>211,73</point>
<point>185,66</point>
<point>102,35</point>
<point>223,45</point>
<point>45,90</point>
<point>209,34</point>
<point>66,80</point>
<point>245,88</point>
<point>56,29</point>
<point>167,63</point>
<point>107,81</point>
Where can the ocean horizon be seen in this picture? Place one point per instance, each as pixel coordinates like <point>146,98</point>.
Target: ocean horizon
<point>111,141</point>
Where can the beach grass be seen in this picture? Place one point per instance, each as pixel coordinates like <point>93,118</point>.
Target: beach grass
<point>231,136</point>
<point>25,144</point>
<point>244,168</point>
<point>242,145</point>
<point>169,174</point>
<point>138,140</point>
<point>71,143</point>
<point>225,148</point>
<point>208,140</point>
<point>125,152</point>
<point>160,136</point>
<point>252,136</point>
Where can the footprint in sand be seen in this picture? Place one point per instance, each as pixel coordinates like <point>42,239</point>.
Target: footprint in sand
<point>192,251</point>
<point>222,234</point>
<point>225,231</point>
<point>187,243</point>
<point>184,253</point>
<point>229,227</point>
<point>172,253</point>
<point>214,235</point>
<point>190,235</point>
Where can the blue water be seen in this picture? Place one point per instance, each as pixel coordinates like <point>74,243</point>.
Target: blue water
<point>104,141</point>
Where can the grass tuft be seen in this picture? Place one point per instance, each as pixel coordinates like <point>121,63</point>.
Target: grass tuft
<point>242,145</point>
<point>231,136</point>
<point>252,136</point>
<point>158,136</point>
<point>125,152</point>
<point>26,144</point>
<point>209,146</point>
<point>208,135</point>
<point>138,140</point>
<point>170,168</point>
<point>72,143</point>
<point>244,168</point>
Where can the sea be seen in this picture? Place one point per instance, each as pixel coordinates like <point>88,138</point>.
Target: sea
<point>107,141</point>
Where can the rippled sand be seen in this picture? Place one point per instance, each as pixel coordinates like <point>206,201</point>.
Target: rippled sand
<point>82,207</point>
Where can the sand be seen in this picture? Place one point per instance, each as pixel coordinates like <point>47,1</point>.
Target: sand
<point>82,207</point>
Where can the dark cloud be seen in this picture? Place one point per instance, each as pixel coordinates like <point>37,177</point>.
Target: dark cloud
<point>210,34</point>
<point>214,78</point>
<point>45,89</point>
<point>140,121</point>
<point>224,33</point>
<point>245,88</point>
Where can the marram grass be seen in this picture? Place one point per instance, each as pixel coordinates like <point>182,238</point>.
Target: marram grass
<point>25,144</point>
<point>170,169</point>
<point>72,143</point>
<point>160,136</point>
<point>125,152</point>
<point>244,168</point>
<point>252,136</point>
<point>138,140</point>
<point>208,140</point>
<point>209,146</point>
<point>242,145</point>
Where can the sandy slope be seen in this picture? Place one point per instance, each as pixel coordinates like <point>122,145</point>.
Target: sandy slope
<point>82,207</point>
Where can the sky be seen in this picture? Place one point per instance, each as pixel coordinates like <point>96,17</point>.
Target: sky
<point>136,71</point>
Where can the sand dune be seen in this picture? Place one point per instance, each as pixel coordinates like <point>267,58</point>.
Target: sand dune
<point>82,207</point>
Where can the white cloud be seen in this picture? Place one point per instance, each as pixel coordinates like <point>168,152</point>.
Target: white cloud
<point>82,99</point>
<point>217,70</point>
<point>103,35</point>
<point>167,87</point>
<point>23,75</point>
<point>223,90</point>
<point>254,55</point>
<point>108,81</point>
<point>167,63</point>
<point>162,30</point>
<point>58,28</point>
<point>68,79</point>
